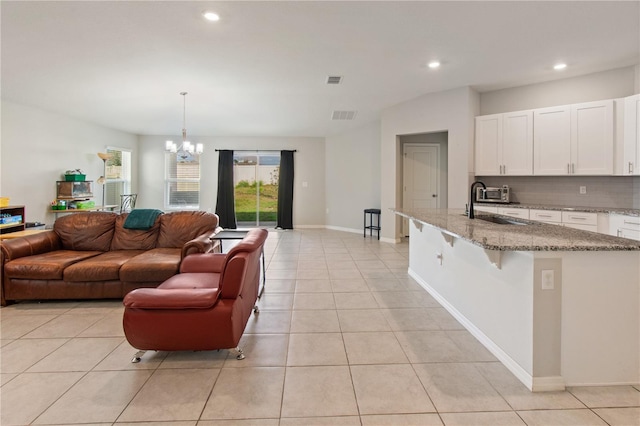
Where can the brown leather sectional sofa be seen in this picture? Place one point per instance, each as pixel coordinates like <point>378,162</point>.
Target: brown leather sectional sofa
<point>92,256</point>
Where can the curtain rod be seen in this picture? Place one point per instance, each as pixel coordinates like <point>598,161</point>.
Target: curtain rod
<point>258,150</point>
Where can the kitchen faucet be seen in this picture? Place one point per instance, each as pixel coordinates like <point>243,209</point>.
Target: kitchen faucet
<point>471,197</point>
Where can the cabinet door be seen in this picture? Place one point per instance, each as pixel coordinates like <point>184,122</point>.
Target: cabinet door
<point>592,138</point>
<point>488,144</point>
<point>521,213</point>
<point>552,141</point>
<point>517,143</point>
<point>631,144</point>
<point>486,209</point>
<point>624,226</point>
<point>547,216</point>
<point>580,218</point>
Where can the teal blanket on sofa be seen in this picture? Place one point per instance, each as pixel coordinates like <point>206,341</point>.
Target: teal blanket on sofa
<point>141,218</point>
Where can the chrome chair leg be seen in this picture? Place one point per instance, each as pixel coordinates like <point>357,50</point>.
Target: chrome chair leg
<point>256,309</point>
<point>240,355</point>
<point>137,357</point>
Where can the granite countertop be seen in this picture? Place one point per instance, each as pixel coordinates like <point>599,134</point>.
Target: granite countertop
<point>534,236</point>
<point>615,210</point>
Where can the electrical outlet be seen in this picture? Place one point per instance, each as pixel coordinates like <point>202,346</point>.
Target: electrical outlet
<point>548,279</point>
<point>583,190</point>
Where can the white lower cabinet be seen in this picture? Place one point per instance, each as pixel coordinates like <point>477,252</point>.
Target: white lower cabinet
<point>510,211</point>
<point>624,226</point>
<point>486,209</point>
<point>579,220</point>
<point>553,217</point>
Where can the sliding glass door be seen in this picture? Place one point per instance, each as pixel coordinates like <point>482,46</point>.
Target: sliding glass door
<point>255,181</point>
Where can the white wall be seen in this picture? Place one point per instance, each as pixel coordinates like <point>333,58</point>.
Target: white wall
<point>352,176</point>
<point>452,111</point>
<point>39,146</point>
<point>309,160</point>
<point>610,84</point>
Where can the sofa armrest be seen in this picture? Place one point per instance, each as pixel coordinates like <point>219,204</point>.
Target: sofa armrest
<point>201,244</point>
<point>203,262</point>
<point>29,245</point>
<point>156,298</point>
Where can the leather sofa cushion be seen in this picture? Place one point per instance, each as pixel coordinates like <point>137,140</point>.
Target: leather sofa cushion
<point>154,265</point>
<point>86,231</point>
<point>191,281</point>
<point>153,298</point>
<point>104,267</point>
<point>176,228</point>
<point>45,266</point>
<point>134,239</point>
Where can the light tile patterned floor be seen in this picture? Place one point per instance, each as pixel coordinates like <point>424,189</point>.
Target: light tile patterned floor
<point>344,337</point>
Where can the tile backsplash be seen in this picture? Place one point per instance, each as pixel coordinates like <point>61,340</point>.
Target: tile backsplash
<point>602,191</point>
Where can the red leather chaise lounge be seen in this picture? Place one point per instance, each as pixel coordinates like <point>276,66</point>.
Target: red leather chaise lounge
<point>205,307</point>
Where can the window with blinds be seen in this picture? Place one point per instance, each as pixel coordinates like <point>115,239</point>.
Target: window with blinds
<point>182,181</point>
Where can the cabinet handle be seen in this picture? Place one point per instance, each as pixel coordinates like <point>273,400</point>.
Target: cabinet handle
<point>568,169</point>
<point>627,222</point>
<point>630,167</point>
<point>577,218</point>
<point>618,232</point>
<point>544,215</point>
<point>573,169</point>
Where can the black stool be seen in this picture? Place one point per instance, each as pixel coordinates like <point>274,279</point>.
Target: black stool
<point>371,227</point>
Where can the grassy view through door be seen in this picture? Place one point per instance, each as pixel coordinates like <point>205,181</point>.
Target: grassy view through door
<point>255,177</point>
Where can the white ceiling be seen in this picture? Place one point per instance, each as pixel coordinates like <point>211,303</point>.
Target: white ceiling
<point>261,70</point>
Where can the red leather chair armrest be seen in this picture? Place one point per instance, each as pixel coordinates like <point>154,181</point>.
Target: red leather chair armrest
<point>155,298</point>
<point>203,262</point>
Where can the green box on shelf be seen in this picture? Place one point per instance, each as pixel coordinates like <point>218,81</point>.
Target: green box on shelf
<point>75,178</point>
<point>85,204</point>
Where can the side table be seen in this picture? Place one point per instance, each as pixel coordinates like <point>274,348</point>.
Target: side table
<point>238,234</point>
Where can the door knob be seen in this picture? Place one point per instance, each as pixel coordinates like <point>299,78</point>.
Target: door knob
<point>434,195</point>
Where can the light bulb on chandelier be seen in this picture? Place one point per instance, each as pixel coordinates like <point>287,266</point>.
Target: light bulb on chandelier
<point>186,146</point>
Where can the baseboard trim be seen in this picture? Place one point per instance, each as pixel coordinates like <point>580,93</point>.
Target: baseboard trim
<point>546,384</point>
<point>520,373</point>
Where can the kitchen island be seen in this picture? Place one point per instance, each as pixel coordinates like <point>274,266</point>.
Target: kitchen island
<point>557,306</point>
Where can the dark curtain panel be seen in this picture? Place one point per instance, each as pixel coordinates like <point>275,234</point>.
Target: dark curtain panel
<point>285,191</point>
<point>225,204</point>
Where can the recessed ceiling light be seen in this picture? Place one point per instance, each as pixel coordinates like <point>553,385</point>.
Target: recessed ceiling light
<point>559,67</point>
<point>434,64</point>
<point>210,16</point>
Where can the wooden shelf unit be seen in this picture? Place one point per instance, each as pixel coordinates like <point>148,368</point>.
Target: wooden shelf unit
<point>7,228</point>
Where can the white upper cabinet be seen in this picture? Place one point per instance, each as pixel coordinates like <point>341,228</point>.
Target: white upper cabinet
<point>592,138</point>
<point>552,141</point>
<point>631,136</point>
<point>504,144</point>
<point>517,143</point>
<point>488,145</point>
<point>574,139</point>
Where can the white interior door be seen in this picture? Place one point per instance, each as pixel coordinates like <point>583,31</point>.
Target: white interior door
<point>421,168</point>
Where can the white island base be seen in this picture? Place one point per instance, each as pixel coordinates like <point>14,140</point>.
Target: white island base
<point>583,329</point>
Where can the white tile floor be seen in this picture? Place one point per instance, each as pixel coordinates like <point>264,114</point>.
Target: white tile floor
<point>344,337</point>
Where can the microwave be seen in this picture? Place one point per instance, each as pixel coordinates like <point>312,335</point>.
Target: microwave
<point>493,195</point>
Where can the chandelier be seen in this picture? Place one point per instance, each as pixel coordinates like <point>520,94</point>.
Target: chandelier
<point>186,146</point>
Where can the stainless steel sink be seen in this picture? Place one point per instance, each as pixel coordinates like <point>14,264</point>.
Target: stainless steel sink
<point>500,220</point>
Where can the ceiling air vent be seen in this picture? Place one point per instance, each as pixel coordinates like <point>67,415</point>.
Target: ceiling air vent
<point>343,115</point>
<point>334,79</point>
